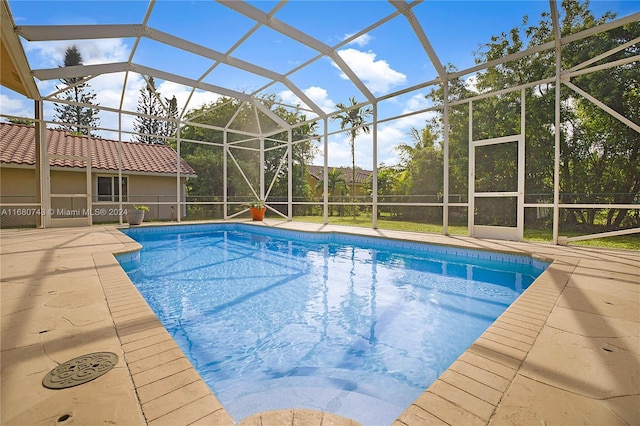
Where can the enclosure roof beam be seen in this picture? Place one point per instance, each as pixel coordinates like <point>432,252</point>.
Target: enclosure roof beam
<point>407,11</point>
<point>603,106</point>
<point>206,52</point>
<point>79,32</point>
<point>189,82</point>
<point>197,49</point>
<point>291,32</point>
<point>78,71</point>
<point>262,107</point>
<point>264,19</point>
<point>601,28</point>
<point>304,98</point>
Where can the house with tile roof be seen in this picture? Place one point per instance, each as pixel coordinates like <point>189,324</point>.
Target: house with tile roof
<point>87,176</point>
<point>316,175</point>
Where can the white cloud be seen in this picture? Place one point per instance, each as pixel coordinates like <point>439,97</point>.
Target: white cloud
<point>317,94</point>
<point>378,76</point>
<point>361,41</point>
<point>15,107</point>
<point>416,102</point>
<point>339,153</point>
<point>51,53</point>
<point>471,83</point>
<point>289,98</point>
<point>321,98</point>
<point>389,136</point>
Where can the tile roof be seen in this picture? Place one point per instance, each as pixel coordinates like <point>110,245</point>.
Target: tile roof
<point>17,146</point>
<point>345,173</point>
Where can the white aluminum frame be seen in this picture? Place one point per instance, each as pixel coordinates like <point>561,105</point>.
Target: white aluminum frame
<point>143,30</point>
<point>499,232</point>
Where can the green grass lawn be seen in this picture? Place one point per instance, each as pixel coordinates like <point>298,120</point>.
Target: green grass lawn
<point>630,242</point>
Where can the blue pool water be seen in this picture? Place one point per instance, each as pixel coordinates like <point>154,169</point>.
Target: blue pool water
<point>356,326</point>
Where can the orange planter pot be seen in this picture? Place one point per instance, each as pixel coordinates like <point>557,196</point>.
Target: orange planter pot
<point>257,213</point>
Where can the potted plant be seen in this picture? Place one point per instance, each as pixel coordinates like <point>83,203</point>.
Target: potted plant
<point>257,209</point>
<point>136,216</point>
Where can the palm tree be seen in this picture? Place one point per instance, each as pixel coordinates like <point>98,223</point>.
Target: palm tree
<point>353,118</point>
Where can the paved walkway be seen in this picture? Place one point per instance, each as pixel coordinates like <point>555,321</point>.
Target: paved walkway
<point>566,352</point>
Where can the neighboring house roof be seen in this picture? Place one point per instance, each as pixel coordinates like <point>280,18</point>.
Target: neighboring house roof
<point>17,146</point>
<point>345,173</point>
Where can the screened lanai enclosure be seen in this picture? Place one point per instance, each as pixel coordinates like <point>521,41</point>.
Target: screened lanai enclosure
<point>496,120</point>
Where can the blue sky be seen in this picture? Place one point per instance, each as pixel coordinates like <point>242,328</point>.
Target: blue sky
<point>387,59</point>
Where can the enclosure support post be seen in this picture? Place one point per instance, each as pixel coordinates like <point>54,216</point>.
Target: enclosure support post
<point>290,174</point>
<point>120,167</point>
<point>178,186</point>
<point>89,197</point>
<point>521,166</point>
<point>38,164</point>
<point>38,182</point>
<point>261,193</point>
<point>374,181</point>
<point>45,174</point>
<point>556,159</point>
<point>445,168</point>
<point>325,172</point>
<point>225,149</point>
<point>471,171</point>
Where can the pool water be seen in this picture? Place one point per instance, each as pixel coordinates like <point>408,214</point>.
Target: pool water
<point>356,326</point>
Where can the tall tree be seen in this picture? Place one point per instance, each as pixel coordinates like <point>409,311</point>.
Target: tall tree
<point>150,126</point>
<point>303,150</point>
<point>75,116</point>
<point>390,186</point>
<point>422,159</point>
<point>171,125</point>
<point>353,118</point>
<point>207,160</point>
<point>458,136</point>
<point>600,156</point>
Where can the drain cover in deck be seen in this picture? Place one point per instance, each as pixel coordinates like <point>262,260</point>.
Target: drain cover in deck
<point>80,370</point>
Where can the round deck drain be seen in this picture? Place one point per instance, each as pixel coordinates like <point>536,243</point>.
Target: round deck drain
<point>80,370</point>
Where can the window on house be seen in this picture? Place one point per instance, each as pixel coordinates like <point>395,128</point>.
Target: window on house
<point>109,190</point>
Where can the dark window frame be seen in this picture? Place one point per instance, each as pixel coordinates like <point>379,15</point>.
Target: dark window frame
<point>107,188</point>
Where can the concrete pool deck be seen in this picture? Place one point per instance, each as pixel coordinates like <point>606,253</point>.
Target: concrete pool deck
<point>566,352</point>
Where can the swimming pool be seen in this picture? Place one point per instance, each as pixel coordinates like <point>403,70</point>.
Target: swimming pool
<point>357,326</point>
